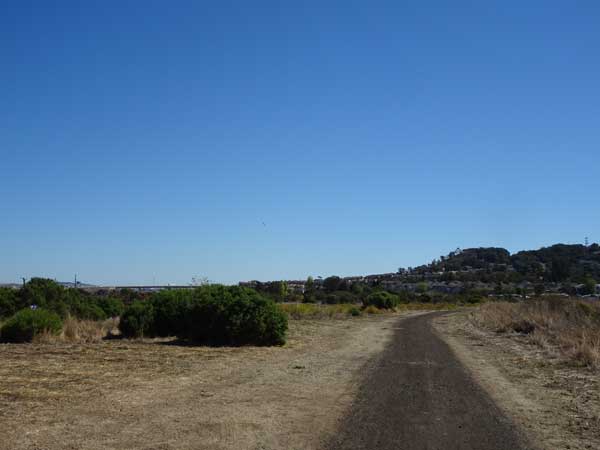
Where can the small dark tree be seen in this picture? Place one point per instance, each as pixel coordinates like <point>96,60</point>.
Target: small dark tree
<point>331,284</point>
<point>589,286</point>
<point>309,291</point>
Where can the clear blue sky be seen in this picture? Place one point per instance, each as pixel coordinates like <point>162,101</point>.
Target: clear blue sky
<point>149,140</point>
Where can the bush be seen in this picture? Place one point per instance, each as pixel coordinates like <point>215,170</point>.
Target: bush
<point>381,300</point>
<point>340,297</point>
<point>27,323</point>
<point>84,308</point>
<point>112,306</point>
<point>234,316</point>
<point>49,295</point>
<point>8,302</point>
<point>170,310</point>
<point>354,311</point>
<point>43,292</point>
<point>209,314</point>
<point>137,320</point>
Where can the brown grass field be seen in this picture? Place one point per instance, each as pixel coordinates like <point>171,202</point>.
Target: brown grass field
<point>569,328</point>
<point>155,394</point>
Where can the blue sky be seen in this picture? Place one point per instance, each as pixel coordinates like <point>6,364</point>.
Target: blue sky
<point>148,141</point>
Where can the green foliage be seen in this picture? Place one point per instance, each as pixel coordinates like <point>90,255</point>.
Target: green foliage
<point>381,300</point>
<point>170,308</point>
<point>234,316</point>
<point>44,293</point>
<point>558,263</point>
<point>471,297</point>
<point>422,287</point>
<point>275,290</point>
<point>354,311</point>
<point>27,323</point>
<point>49,295</point>
<point>589,286</point>
<point>283,291</point>
<point>112,306</point>
<point>9,302</point>
<point>315,311</point>
<point>309,291</point>
<point>475,258</point>
<point>128,296</point>
<point>137,319</point>
<point>340,297</point>
<point>80,304</point>
<point>332,284</point>
<point>212,314</point>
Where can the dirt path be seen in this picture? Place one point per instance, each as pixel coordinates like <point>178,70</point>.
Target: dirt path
<point>419,396</point>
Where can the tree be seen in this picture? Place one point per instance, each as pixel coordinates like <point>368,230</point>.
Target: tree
<point>41,292</point>
<point>422,287</point>
<point>559,269</point>
<point>283,290</point>
<point>309,290</point>
<point>589,286</point>
<point>331,284</point>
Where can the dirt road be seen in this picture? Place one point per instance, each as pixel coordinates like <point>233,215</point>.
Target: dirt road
<point>419,396</point>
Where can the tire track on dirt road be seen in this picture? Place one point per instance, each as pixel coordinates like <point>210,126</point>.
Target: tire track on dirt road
<point>418,396</point>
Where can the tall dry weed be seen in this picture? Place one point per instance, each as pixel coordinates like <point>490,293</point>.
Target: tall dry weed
<point>570,327</point>
<point>80,331</point>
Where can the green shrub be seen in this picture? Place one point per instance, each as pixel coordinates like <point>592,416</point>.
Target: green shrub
<point>209,314</point>
<point>8,302</point>
<point>51,296</point>
<point>40,291</point>
<point>170,310</point>
<point>340,297</point>
<point>381,300</point>
<point>234,316</point>
<point>81,305</point>
<point>27,323</point>
<point>354,311</point>
<point>137,320</point>
<point>112,306</point>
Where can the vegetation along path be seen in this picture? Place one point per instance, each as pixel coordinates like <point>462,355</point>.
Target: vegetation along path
<point>419,396</point>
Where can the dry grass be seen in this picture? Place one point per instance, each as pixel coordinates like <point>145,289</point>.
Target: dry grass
<point>568,327</point>
<point>426,306</point>
<point>80,331</point>
<point>298,311</point>
<point>157,394</point>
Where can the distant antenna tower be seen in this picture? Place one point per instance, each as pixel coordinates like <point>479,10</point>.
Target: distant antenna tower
<point>587,242</point>
<point>75,280</point>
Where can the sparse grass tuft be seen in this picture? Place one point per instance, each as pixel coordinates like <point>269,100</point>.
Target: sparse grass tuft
<point>570,327</point>
<point>372,310</point>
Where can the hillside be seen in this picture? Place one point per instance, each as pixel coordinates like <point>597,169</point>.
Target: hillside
<point>560,263</point>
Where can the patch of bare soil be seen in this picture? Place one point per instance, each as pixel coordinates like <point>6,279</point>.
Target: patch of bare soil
<point>152,394</point>
<point>558,405</point>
